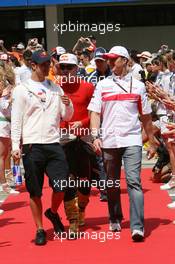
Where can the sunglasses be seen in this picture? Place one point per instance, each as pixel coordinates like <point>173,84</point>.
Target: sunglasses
<point>68,66</point>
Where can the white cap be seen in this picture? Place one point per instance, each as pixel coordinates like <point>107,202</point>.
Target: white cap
<point>4,57</point>
<point>115,52</point>
<point>149,60</point>
<point>68,58</point>
<point>20,46</point>
<point>60,50</point>
<point>145,54</point>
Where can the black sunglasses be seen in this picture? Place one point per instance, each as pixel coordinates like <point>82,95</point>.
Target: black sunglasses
<point>67,66</point>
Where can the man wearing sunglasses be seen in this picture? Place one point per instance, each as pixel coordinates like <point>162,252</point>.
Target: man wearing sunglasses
<point>75,146</point>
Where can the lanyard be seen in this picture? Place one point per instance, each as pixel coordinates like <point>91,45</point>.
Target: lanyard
<point>123,87</point>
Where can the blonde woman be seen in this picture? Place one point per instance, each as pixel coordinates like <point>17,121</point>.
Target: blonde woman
<point>6,83</point>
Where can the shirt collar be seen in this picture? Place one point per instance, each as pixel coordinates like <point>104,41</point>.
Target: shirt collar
<point>124,78</point>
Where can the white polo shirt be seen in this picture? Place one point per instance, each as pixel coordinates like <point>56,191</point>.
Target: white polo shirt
<point>120,110</point>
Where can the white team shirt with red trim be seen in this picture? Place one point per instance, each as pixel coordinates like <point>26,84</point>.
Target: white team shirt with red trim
<point>120,110</point>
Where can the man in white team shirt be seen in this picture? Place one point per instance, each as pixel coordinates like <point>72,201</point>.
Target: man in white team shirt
<point>119,100</point>
<point>37,108</point>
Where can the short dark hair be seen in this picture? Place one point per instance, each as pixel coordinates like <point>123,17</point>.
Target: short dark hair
<point>15,61</point>
<point>86,54</point>
<point>160,59</point>
<point>133,55</point>
<point>27,55</point>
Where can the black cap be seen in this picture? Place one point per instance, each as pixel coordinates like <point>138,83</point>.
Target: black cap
<point>40,56</point>
<point>98,55</point>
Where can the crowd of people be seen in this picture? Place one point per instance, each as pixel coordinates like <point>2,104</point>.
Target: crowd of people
<point>77,116</point>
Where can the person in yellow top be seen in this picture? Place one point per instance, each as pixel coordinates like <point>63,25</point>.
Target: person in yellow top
<point>85,59</point>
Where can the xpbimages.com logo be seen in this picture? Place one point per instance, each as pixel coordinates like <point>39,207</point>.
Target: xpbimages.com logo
<point>99,236</point>
<point>85,183</point>
<point>102,28</point>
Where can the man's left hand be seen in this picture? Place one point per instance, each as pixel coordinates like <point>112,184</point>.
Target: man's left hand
<point>76,124</point>
<point>151,151</point>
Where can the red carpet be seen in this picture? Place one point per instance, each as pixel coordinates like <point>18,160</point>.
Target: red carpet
<point>18,230</point>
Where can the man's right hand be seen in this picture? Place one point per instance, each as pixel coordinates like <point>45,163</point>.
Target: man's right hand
<point>97,143</point>
<point>16,155</point>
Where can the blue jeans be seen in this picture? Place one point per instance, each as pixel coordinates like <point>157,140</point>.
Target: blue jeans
<point>132,157</point>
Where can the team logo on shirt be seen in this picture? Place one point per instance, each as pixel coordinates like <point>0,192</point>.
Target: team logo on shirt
<point>42,95</point>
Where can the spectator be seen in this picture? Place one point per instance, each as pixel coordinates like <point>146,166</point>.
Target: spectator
<point>135,65</point>
<point>85,59</point>
<point>102,69</point>
<point>6,81</point>
<point>24,72</point>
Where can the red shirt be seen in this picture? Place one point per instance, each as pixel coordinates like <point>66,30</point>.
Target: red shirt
<point>80,94</point>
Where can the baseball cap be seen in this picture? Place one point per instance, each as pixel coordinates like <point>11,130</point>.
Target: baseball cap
<point>40,56</point>
<point>115,52</point>
<point>99,52</point>
<point>4,57</point>
<point>60,50</point>
<point>145,54</point>
<point>68,58</point>
<point>56,52</point>
<point>20,46</point>
<point>149,60</point>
